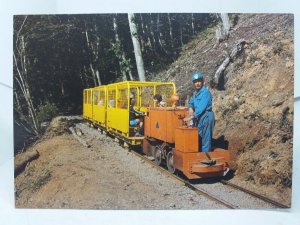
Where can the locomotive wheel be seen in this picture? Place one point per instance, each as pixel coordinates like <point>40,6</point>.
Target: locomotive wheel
<point>170,165</point>
<point>158,155</point>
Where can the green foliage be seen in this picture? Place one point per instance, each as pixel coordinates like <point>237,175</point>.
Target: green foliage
<point>268,181</point>
<point>254,161</point>
<point>252,58</point>
<point>273,154</point>
<point>231,108</point>
<point>286,180</point>
<point>47,111</point>
<point>43,179</point>
<point>126,65</point>
<point>278,48</point>
<point>251,143</point>
<point>249,178</point>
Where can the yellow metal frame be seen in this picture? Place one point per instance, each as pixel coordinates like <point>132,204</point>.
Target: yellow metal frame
<point>87,104</point>
<point>99,105</point>
<point>111,111</point>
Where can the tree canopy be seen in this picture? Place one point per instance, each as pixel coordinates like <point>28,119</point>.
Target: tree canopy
<point>57,56</point>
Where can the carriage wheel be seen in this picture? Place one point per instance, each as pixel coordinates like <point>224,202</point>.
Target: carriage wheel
<point>158,155</point>
<point>170,161</point>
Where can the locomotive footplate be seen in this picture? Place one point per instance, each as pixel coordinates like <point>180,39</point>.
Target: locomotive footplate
<point>204,168</point>
<point>196,165</point>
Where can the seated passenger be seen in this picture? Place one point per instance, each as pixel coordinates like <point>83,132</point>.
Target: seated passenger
<point>101,102</point>
<point>158,101</point>
<point>134,120</point>
<point>112,103</point>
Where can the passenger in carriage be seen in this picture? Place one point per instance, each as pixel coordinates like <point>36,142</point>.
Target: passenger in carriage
<point>134,120</point>
<point>158,101</point>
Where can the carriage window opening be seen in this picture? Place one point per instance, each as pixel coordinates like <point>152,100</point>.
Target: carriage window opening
<point>147,96</point>
<point>111,99</point>
<point>89,97</point>
<point>101,101</point>
<point>134,92</point>
<point>166,91</point>
<point>85,97</point>
<point>96,97</point>
<point>122,98</point>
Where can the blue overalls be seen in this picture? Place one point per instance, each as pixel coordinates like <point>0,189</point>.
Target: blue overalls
<point>201,103</point>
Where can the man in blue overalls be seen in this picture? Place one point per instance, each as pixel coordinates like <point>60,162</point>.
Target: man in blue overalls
<point>200,108</point>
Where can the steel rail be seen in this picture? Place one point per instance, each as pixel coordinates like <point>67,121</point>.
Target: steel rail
<point>184,182</point>
<point>264,198</point>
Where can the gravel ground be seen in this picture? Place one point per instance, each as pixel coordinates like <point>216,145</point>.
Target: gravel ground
<point>237,198</point>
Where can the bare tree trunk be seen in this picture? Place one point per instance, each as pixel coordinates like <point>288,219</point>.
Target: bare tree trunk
<point>137,48</point>
<point>181,38</point>
<point>226,23</point>
<point>94,57</point>
<point>93,75</point>
<point>222,32</point>
<point>19,109</point>
<point>171,30</point>
<point>62,88</point>
<point>144,34</point>
<point>84,78</point>
<point>147,42</point>
<point>236,49</point>
<point>25,90</point>
<point>160,35</point>
<point>22,81</point>
<point>130,74</point>
<point>98,77</point>
<point>193,24</point>
<point>154,43</point>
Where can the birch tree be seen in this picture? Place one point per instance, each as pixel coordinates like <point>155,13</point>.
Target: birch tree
<point>223,31</point>
<point>20,63</point>
<point>137,47</point>
<point>93,47</point>
<point>226,23</point>
<point>171,30</point>
<point>193,24</point>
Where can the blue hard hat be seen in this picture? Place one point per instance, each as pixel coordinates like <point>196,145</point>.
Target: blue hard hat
<point>196,76</point>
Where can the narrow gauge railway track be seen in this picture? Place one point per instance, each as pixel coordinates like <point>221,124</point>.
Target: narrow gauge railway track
<point>186,183</point>
<point>264,198</point>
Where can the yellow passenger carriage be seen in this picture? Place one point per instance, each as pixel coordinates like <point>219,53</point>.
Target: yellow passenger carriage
<point>108,106</point>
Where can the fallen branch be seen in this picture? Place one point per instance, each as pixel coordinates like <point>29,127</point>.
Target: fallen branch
<point>237,48</point>
<point>78,138</point>
<point>23,159</point>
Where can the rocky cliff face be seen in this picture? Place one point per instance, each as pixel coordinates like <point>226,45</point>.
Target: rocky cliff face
<point>253,100</point>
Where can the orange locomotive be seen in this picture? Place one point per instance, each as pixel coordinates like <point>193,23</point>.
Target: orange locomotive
<point>168,140</point>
